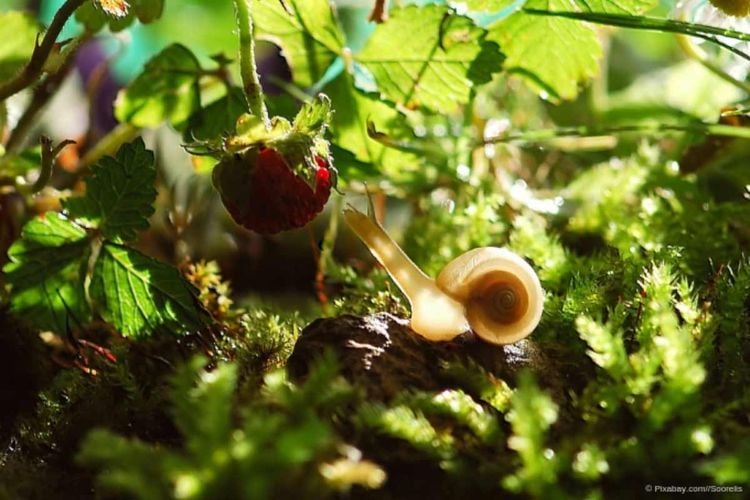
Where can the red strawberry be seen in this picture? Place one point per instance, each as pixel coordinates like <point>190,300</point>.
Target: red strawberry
<point>263,194</point>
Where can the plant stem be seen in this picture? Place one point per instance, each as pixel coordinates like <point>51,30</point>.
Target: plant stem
<point>248,65</point>
<point>703,31</point>
<point>326,256</point>
<point>108,145</point>
<point>694,52</point>
<point>48,162</point>
<point>549,134</point>
<point>41,52</point>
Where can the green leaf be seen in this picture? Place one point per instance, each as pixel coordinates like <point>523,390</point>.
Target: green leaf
<point>314,117</point>
<point>309,35</point>
<point>94,18</point>
<point>95,15</point>
<point>15,164</point>
<point>553,55</point>
<point>46,271</point>
<point>148,11</point>
<point>616,6</point>
<point>349,126</point>
<point>18,32</point>
<point>140,295</point>
<point>167,90</point>
<point>424,56</point>
<point>218,118</point>
<point>119,194</point>
<point>486,5</point>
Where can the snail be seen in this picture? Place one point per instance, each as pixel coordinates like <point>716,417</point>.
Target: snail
<point>489,290</point>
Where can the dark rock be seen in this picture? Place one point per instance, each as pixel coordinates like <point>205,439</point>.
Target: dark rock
<point>382,355</point>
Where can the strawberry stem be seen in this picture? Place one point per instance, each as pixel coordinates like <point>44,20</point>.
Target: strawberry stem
<point>248,67</point>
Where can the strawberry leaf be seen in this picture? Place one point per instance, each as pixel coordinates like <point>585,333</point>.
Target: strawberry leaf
<point>487,5</point>
<point>141,296</point>
<point>553,55</point>
<point>46,270</point>
<point>167,90</point>
<point>616,6</point>
<point>119,194</point>
<point>58,282</point>
<point>424,56</point>
<point>308,34</point>
<point>314,117</point>
<point>349,127</point>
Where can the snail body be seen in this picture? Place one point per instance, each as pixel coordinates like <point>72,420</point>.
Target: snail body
<point>489,290</point>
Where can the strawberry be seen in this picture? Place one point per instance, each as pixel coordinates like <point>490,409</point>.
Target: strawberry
<point>274,175</point>
<point>262,192</point>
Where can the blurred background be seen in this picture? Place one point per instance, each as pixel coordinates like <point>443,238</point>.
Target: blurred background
<point>645,76</point>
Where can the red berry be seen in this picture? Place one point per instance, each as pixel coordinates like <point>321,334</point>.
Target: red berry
<point>264,195</point>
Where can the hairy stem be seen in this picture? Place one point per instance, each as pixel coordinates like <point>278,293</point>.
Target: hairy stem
<point>248,65</point>
<point>41,53</point>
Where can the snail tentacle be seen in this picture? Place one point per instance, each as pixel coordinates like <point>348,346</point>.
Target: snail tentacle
<point>492,291</point>
<point>434,315</point>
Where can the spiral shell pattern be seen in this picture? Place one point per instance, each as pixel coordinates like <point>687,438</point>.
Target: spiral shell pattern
<point>500,291</point>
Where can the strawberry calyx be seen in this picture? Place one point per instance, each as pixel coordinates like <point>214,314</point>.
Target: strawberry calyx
<point>274,175</point>
<point>300,142</point>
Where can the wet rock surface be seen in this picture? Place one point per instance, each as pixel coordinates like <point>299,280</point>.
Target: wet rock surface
<point>382,355</point>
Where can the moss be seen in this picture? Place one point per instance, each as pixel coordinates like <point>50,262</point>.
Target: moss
<point>646,323</point>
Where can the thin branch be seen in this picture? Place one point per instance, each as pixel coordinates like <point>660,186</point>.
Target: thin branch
<point>48,161</point>
<point>43,92</point>
<point>645,23</point>
<point>379,13</point>
<point>543,135</point>
<point>691,50</point>
<point>706,32</point>
<point>248,65</point>
<point>42,51</point>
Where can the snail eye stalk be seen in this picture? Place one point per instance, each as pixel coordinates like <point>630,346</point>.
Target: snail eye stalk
<point>489,290</point>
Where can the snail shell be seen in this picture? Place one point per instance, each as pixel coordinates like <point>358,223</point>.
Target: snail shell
<point>501,293</point>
